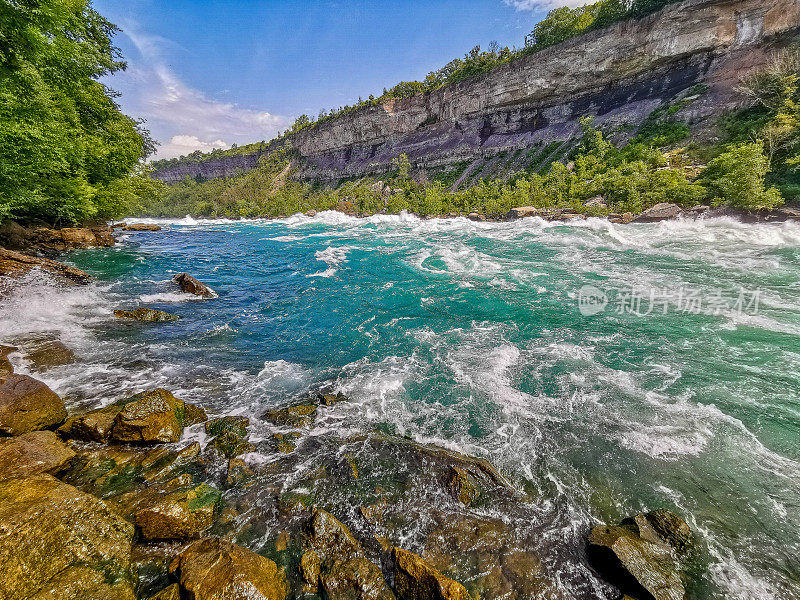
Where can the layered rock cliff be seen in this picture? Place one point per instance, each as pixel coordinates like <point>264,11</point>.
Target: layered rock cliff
<point>619,75</point>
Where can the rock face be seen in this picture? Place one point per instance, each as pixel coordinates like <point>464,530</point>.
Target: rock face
<point>145,315</point>
<point>538,99</point>
<point>14,264</point>
<point>659,212</point>
<point>33,453</point>
<point>214,569</point>
<point>153,417</point>
<point>640,555</point>
<point>415,579</point>
<point>27,404</point>
<point>190,285</point>
<point>61,543</point>
<point>43,240</point>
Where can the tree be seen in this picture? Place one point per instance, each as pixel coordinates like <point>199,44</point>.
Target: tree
<point>736,178</point>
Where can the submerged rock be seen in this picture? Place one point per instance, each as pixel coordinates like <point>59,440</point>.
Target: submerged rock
<point>27,404</point>
<point>48,354</point>
<point>238,473</point>
<point>33,453</point>
<point>229,445</point>
<point>150,417</point>
<point>660,212</point>
<point>5,364</point>
<point>146,315</point>
<point>190,285</point>
<point>640,555</point>
<point>234,424</point>
<point>415,579</point>
<point>56,540</point>
<point>215,569</point>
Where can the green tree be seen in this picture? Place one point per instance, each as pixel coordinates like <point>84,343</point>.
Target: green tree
<point>736,178</point>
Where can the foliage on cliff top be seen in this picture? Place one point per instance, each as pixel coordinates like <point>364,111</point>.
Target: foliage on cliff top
<point>64,144</point>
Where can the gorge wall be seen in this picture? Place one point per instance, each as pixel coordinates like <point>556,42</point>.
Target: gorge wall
<point>619,75</point>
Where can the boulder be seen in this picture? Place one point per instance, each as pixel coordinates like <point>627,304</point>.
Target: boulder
<point>48,354</point>
<point>5,365</point>
<point>311,213</point>
<point>238,473</point>
<point>33,453</point>
<point>172,592</point>
<point>193,414</point>
<point>146,315</point>
<point>463,486</point>
<point>61,543</point>
<point>150,417</point>
<point>119,225</point>
<point>215,569</point>
<point>229,445</point>
<point>234,424</point>
<point>94,426</point>
<point>14,264</point>
<point>299,415</point>
<point>627,217</point>
<point>639,556</point>
<point>141,227</point>
<point>522,211</point>
<point>415,579</point>
<point>190,285</point>
<point>175,515</point>
<point>27,404</point>
<point>660,212</point>
<point>285,443</point>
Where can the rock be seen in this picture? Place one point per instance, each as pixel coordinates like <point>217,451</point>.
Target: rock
<point>146,315</point>
<point>50,528</point>
<point>660,212</point>
<point>14,264</point>
<point>51,353</point>
<point>190,285</point>
<point>463,486</point>
<point>94,426</point>
<point>142,227</point>
<point>150,417</point>
<point>523,211</point>
<point>234,424</point>
<point>285,442</point>
<point>311,213</point>
<point>627,217</point>
<point>118,225</point>
<point>238,473</point>
<point>346,207</point>
<point>299,415</point>
<point>473,216</point>
<point>640,555</point>
<point>33,453</point>
<point>596,202</point>
<point>215,569</point>
<point>193,414</point>
<point>229,445</point>
<point>5,365</point>
<point>176,515</point>
<point>415,579</point>
<point>27,404</point>
<point>83,583</point>
<point>173,592</point>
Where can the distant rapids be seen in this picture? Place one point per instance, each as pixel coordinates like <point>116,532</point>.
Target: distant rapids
<point>605,369</point>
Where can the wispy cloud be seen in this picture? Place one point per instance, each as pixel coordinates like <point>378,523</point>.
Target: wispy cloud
<point>182,118</point>
<point>544,4</point>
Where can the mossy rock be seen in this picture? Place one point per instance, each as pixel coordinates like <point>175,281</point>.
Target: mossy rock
<point>299,415</point>
<point>150,417</point>
<point>229,445</point>
<point>233,424</point>
<point>146,315</point>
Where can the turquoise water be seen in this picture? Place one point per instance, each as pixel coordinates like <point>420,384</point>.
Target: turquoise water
<point>471,335</point>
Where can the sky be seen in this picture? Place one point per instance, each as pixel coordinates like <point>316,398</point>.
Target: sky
<point>208,74</point>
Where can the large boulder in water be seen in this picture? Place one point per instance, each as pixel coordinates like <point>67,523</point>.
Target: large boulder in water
<point>146,315</point>
<point>190,285</point>
<point>415,579</point>
<point>660,212</point>
<point>61,543</point>
<point>640,555</point>
<point>27,404</point>
<point>150,417</point>
<point>33,453</point>
<point>94,426</point>
<point>215,569</point>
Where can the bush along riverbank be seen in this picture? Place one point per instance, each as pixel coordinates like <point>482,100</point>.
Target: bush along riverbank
<point>118,503</point>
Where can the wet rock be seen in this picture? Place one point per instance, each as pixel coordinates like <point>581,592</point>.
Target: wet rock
<point>285,442</point>
<point>299,415</point>
<point>214,569</point>
<point>373,513</point>
<point>193,414</point>
<point>54,539</point>
<point>150,417</point>
<point>5,365</point>
<point>238,473</point>
<point>463,486</point>
<point>639,555</point>
<point>94,426</point>
<point>660,212</point>
<point>523,211</point>
<point>234,424</point>
<point>27,404</point>
<point>146,315</point>
<point>33,453</point>
<point>415,579</point>
<point>173,592</point>
<point>141,227</point>
<point>48,354</point>
<point>190,285</point>
<point>118,225</point>
<point>229,445</point>
<point>175,515</point>
<point>14,264</point>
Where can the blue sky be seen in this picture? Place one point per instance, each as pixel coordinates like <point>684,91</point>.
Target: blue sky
<point>211,73</point>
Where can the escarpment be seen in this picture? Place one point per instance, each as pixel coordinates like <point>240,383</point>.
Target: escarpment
<point>696,50</point>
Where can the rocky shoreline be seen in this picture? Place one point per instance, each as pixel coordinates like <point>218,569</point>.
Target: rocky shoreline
<point>113,503</point>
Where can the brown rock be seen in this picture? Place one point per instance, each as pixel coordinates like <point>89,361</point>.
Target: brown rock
<point>49,527</point>
<point>51,353</point>
<point>152,417</point>
<point>5,365</point>
<point>119,225</point>
<point>215,569</point>
<point>94,426</point>
<point>300,415</point>
<point>193,414</point>
<point>229,445</point>
<point>660,212</point>
<point>231,423</point>
<point>27,405</point>
<point>146,315</point>
<point>173,592</point>
<point>627,217</point>
<point>415,579</point>
<point>463,486</point>
<point>190,285</point>
<point>177,515</point>
<point>83,583</point>
<point>238,473</point>
<point>142,227</point>
<point>33,453</point>
<point>14,264</point>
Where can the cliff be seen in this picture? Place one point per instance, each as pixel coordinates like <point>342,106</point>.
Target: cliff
<point>619,74</point>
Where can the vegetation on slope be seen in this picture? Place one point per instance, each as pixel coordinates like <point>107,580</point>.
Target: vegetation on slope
<point>67,153</point>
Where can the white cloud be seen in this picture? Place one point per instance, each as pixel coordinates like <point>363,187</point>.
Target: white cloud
<point>185,116</point>
<point>544,4</point>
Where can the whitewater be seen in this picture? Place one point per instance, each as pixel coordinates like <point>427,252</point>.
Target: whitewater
<point>677,387</point>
